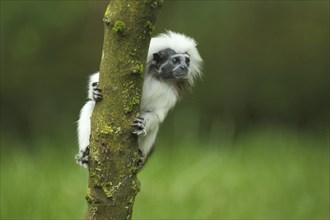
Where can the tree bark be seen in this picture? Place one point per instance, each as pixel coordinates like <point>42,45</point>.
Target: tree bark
<point>113,183</point>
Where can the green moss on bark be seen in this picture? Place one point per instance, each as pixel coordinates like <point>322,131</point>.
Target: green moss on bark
<point>137,67</point>
<point>149,27</point>
<point>119,27</point>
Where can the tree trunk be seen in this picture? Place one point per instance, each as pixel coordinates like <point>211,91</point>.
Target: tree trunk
<point>113,184</point>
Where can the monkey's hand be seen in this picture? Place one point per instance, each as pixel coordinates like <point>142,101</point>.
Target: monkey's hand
<point>139,126</point>
<point>97,92</point>
<point>145,123</point>
<point>82,157</point>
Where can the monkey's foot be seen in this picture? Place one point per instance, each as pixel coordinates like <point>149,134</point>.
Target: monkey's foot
<point>139,126</point>
<point>82,158</point>
<point>97,92</point>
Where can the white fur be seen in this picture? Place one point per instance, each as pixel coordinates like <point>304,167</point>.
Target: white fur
<point>84,122</point>
<point>158,97</point>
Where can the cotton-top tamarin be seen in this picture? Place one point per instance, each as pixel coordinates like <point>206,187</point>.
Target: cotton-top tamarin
<point>173,64</point>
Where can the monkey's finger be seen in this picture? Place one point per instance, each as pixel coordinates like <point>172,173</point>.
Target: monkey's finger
<point>139,132</point>
<point>98,96</point>
<point>138,125</point>
<point>97,89</point>
<point>139,120</point>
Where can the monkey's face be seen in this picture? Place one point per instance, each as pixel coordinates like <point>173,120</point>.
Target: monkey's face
<point>167,64</point>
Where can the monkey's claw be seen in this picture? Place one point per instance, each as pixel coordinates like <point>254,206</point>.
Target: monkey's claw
<point>97,92</point>
<point>82,158</point>
<point>139,126</point>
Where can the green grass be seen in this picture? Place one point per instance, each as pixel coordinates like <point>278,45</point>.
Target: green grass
<point>262,175</point>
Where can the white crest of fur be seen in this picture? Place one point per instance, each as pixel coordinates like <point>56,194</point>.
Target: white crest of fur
<point>180,43</point>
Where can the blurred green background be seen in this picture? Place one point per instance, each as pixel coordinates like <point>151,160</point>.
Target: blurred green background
<point>252,141</point>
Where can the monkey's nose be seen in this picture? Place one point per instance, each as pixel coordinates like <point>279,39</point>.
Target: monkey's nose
<point>183,67</point>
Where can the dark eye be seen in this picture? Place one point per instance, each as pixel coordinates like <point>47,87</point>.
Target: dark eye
<point>187,60</point>
<point>175,60</point>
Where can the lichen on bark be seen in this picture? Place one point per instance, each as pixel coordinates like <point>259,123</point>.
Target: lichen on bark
<point>113,184</point>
